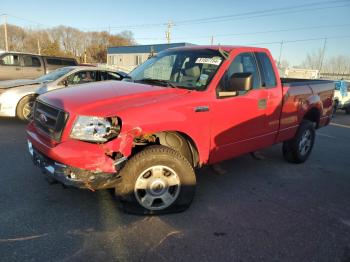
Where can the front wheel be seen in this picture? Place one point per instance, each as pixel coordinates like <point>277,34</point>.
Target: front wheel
<point>298,149</point>
<point>157,180</point>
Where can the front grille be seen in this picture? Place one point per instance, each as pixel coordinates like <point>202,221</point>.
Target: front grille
<point>50,120</point>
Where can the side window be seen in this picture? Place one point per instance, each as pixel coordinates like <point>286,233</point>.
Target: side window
<point>243,63</point>
<point>113,76</point>
<point>81,77</point>
<point>269,77</point>
<point>68,62</point>
<point>103,76</point>
<point>10,60</point>
<point>54,61</point>
<point>31,61</point>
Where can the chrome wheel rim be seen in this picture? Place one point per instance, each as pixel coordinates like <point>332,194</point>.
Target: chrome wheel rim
<point>157,187</point>
<point>305,143</point>
<point>28,110</point>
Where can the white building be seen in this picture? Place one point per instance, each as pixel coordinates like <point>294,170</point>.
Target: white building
<point>126,58</point>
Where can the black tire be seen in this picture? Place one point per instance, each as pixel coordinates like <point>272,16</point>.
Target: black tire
<point>347,110</point>
<point>293,151</point>
<point>169,164</point>
<point>23,106</point>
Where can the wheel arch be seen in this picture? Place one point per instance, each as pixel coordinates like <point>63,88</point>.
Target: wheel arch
<point>23,97</point>
<point>313,115</point>
<point>176,140</point>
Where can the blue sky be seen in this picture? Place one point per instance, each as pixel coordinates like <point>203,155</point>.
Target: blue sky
<point>315,19</point>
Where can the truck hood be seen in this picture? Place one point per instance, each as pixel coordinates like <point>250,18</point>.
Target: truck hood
<point>20,82</point>
<point>108,98</point>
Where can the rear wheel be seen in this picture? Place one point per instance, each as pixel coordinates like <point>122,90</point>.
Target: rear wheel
<point>157,180</point>
<point>298,149</point>
<point>24,109</point>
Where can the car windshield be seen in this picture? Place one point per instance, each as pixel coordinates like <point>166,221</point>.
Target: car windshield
<point>54,75</point>
<point>190,69</point>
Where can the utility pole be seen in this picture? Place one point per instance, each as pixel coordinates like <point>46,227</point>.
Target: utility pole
<point>39,48</point>
<point>280,56</point>
<point>168,32</point>
<point>5,32</point>
<point>323,53</point>
<point>212,40</point>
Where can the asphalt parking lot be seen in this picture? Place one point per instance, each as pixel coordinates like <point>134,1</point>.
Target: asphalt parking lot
<point>245,210</point>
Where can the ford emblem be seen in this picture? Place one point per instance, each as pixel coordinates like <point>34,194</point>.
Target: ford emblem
<point>43,118</point>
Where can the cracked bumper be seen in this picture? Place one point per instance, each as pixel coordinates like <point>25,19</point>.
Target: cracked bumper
<point>72,162</point>
<point>71,176</point>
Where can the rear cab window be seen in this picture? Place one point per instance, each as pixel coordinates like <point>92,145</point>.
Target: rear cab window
<point>54,61</point>
<point>267,73</point>
<point>68,62</point>
<point>60,61</point>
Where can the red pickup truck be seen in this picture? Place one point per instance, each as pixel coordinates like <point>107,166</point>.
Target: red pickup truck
<point>181,109</point>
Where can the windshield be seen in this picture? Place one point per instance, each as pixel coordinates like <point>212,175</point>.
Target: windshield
<point>54,75</point>
<point>190,69</point>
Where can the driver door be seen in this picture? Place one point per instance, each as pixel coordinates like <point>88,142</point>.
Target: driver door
<point>239,126</point>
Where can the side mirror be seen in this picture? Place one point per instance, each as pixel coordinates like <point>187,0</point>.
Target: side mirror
<point>241,82</point>
<point>65,82</point>
<point>238,82</point>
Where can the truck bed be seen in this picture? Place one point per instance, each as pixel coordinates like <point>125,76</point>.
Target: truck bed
<point>298,94</point>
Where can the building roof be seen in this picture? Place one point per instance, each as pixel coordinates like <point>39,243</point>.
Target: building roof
<point>143,49</point>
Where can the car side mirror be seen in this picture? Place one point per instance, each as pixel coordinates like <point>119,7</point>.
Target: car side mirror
<point>65,82</point>
<point>238,82</point>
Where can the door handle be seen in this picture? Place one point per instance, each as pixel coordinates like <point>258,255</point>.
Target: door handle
<point>39,70</point>
<point>201,109</point>
<point>262,103</point>
<point>17,68</point>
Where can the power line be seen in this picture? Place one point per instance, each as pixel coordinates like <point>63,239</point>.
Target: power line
<point>27,20</point>
<point>246,15</point>
<point>300,40</point>
<point>252,33</point>
<point>263,12</point>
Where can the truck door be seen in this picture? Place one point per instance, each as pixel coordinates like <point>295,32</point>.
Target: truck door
<point>32,67</point>
<point>239,123</point>
<point>10,67</point>
<point>274,92</point>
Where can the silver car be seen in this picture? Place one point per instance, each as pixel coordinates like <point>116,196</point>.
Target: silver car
<point>17,96</point>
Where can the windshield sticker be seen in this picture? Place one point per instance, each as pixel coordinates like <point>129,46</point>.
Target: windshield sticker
<point>209,60</point>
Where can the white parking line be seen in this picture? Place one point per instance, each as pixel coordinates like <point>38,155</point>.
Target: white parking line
<point>339,125</point>
<point>321,134</point>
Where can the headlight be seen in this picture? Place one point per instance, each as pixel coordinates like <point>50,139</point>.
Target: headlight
<point>95,129</point>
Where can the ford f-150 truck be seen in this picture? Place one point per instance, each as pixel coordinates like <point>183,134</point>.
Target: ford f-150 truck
<point>181,109</point>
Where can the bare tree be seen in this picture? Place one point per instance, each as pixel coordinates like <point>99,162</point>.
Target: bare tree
<point>65,41</point>
<point>339,65</point>
<point>313,60</point>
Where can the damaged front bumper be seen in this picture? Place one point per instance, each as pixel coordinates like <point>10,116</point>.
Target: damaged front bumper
<point>71,176</point>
